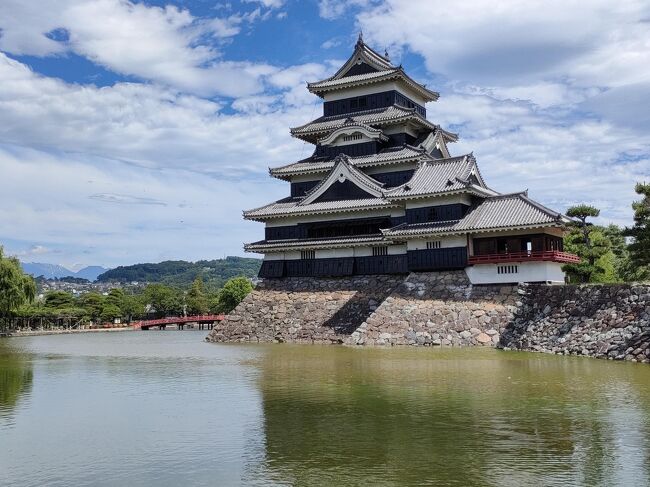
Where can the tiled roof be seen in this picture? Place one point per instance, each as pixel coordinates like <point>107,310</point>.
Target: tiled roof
<point>507,211</point>
<point>265,245</point>
<point>330,82</point>
<point>440,176</point>
<point>389,156</point>
<point>290,206</point>
<point>493,213</point>
<point>320,87</point>
<point>377,116</point>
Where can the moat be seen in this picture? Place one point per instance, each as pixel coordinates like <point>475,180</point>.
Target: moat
<point>168,409</point>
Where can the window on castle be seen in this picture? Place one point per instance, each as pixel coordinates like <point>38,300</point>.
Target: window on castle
<point>507,269</point>
<point>347,138</point>
<point>377,251</point>
<point>307,254</point>
<point>434,244</point>
<point>363,102</point>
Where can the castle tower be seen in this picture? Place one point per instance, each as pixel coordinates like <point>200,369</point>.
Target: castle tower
<point>381,193</point>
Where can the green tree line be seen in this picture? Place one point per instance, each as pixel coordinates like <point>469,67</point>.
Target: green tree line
<point>154,301</point>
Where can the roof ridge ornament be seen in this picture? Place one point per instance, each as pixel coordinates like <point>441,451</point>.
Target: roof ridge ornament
<point>360,38</point>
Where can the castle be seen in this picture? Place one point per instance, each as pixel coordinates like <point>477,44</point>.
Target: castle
<point>381,193</point>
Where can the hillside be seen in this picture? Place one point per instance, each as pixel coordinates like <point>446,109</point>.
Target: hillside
<point>181,273</point>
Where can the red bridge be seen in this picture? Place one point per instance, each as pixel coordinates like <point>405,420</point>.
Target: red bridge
<point>204,321</point>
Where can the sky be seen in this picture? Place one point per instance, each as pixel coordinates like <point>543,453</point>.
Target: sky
<point>138,131</point>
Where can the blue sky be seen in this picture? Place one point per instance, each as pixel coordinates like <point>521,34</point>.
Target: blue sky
<point>139,131</point>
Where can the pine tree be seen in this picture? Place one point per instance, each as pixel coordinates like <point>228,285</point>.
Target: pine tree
<point>589,243</point>
<point>639,249</point>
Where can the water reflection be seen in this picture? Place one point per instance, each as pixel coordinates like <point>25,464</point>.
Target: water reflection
<point>16,377</point>
<point>167,409</point>
<point>404,417</point>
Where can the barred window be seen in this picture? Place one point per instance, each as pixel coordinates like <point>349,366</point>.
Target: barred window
<point>507,269</point>
<point>379,251</point>
<point>347,138</point>
<point>434,244</point>
<point>308,254</point>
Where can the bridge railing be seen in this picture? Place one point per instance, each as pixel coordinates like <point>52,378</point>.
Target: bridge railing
<point>177,320</point>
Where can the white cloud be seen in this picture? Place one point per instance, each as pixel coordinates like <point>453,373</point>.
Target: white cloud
<point>582,43</point>
<point>120,213</point>
<point>152,126</point>
<point>333,9</point>
<point>153,43</point>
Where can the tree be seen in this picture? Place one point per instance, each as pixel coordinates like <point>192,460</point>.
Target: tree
<point>93,303</point>
<point>640,247</point>
<point>110,312</point>
<point>589,243</point>
<point>59,300</point>
<point>16,287</point>
<point>164,300</point>
<point>232,293</point>
<point>197,302</point>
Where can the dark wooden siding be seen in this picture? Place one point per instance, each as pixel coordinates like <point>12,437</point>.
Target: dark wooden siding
<point>362,68</point>
<point>369,102</point>
<point>438,213</point>
<point>352,150</point>
<point>320,267</point>
<point>346,190</point>
<point>299,189</point>
<point>272,268</point>
<point>384,264</point>
<point>400,139</point>
<point>395,178</point>
<point>285,232</point>
<point>437,259</point>
<point>335,267</point>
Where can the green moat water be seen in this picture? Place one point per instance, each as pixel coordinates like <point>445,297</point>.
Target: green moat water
<point>166,409</point>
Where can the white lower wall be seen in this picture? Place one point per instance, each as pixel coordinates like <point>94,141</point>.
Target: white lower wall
<point>526,272</point>
<point>445,242</point>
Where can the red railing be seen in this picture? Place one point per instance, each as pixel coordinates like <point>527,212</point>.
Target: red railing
<point>545,255</point>
<point>178,321</point>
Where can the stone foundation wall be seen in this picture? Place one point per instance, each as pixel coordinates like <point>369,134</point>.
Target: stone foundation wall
<point>433,308</point>
<point>444,309</point>
<point>439,308</point>
<point>305,310</point>
<point>605,321</point>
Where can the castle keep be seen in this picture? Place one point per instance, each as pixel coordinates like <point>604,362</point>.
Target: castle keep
<point>381,193</point>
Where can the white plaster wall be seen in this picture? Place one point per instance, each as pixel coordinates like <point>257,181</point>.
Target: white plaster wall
<point>338,142</point>
<point>440,200</point>
<point>445,242</point>
<point>331,253</point>
<point>289,255</point>
<point>309,177</point>
<point>527,272</point>
<point>400,128</point>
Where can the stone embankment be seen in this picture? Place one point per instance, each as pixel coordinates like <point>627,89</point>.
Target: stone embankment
<point>605,321</point>
<point>433,308</point>
<point>439,308</point>
<point>444,309</point>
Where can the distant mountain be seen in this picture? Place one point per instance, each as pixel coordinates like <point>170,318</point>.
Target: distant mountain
<point>181,273</point>
<point>51,271</point>
<point>91,272</point>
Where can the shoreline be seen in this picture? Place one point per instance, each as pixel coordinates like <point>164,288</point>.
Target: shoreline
<point>62,332</point>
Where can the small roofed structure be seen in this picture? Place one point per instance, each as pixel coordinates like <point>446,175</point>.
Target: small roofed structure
<point>381,193</point>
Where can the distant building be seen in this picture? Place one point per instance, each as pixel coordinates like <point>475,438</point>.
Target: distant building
<point>381,193</point>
